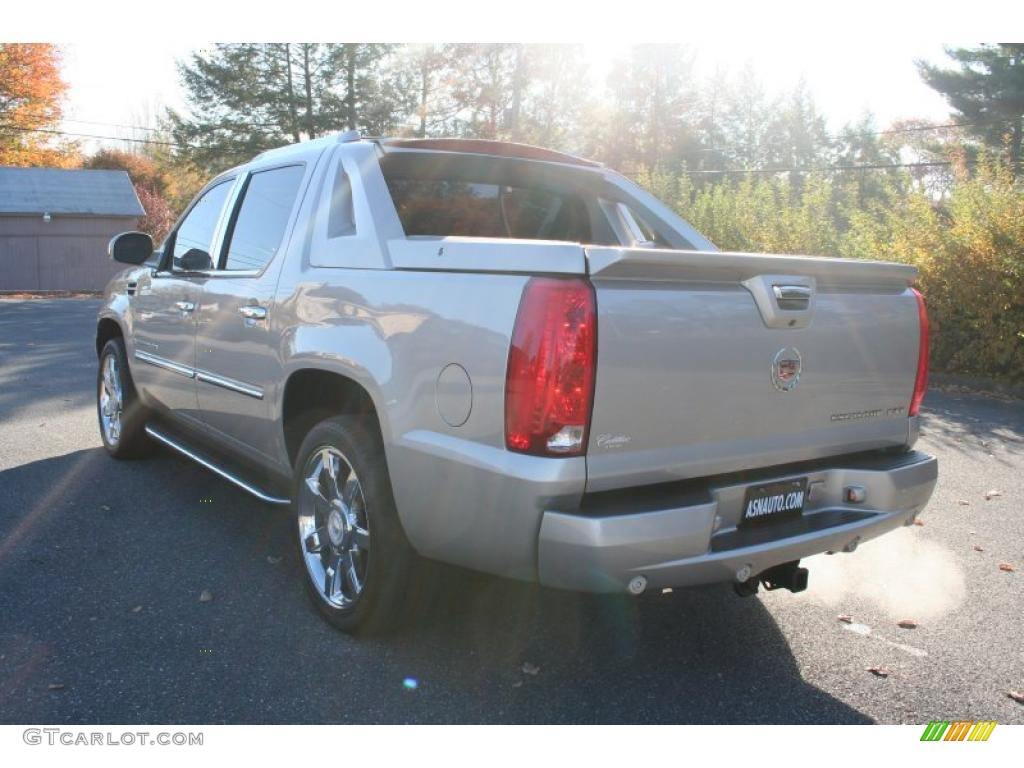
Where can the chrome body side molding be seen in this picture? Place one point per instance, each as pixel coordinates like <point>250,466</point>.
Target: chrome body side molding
<point>164,363</point>
<point>234,386</point>
<point>199,374</point>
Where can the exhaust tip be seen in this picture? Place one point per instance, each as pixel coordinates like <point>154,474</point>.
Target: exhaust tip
<point>747,588</point>
<point>637,585</point>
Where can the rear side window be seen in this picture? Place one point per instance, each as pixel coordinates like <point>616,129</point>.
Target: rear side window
<point>441,207</point>
<point>196,230</point>
<point>259,227</point>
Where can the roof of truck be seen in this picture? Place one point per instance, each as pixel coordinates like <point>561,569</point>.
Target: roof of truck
<point>488,147</point>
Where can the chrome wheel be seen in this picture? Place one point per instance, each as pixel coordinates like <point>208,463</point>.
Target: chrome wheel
<point>334,531</point>
<point>111,395</point>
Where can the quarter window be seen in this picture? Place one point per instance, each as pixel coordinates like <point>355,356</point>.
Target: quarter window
<point>259,227</point>
<point>341,222</point>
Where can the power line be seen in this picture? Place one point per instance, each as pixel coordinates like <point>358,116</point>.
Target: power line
<point>826,168</point>
<point>111,125</point>
<point>917,128</point>
<point>889,131</point>
<point>91,136</point>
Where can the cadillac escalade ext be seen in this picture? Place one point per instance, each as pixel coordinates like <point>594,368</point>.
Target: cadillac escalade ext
<point>517,361</point>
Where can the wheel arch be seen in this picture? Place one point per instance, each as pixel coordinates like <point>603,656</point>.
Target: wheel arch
<point>311,394</point>
<point>106,329</point>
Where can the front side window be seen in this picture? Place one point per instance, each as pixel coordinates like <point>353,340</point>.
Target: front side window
<point>194,238</point>
<point>259,227</point>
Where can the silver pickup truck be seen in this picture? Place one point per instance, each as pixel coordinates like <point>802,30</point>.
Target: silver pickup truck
<point>517,361</point>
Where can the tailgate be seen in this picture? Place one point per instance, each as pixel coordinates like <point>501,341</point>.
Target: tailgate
<point>717,362</point>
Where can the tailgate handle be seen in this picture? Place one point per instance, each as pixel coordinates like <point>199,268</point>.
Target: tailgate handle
<point>792,297</point>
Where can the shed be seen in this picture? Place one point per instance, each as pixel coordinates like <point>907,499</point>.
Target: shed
<point>55,224</point>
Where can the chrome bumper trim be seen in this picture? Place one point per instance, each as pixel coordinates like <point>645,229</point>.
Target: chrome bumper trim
<point>676,546</point>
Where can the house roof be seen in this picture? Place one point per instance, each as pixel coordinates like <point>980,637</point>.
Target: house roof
<point>67,191</point>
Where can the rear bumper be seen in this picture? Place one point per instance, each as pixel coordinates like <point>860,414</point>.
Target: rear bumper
<point>686,534</point>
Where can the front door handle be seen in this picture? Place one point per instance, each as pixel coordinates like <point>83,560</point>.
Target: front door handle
<point>185,306</point>
<point>251,312</point>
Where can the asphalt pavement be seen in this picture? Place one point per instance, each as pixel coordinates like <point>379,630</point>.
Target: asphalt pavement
<point>102,565</point>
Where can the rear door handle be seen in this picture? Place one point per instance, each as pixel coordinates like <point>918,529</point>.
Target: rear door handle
<point>185,306</point>
<point>792,296</point>
<point>251,312</point>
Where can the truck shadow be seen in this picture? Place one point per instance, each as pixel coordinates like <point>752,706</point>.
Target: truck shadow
<point>102,565</point>
<point>698,655</point>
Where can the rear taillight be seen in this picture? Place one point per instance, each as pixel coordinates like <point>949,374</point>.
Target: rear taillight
<point>549,385</point>
<point>921,383</point>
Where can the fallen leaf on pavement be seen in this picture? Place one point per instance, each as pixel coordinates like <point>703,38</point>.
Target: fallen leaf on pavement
<point>907,624</point>
<point>845,619</point>
<point>978,548</point>
<point>879,671</point>
<point>992,494</point>
<point>1006,567</point>
<point>530,669</point>
<point>274,559</point>
<point>205,596</point>
<point>1017,696</point>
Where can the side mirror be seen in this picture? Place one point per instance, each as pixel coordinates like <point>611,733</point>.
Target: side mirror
<point>194,260</point>
<point>130,247</point>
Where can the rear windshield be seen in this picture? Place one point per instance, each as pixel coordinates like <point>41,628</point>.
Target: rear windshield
<point>462,196</point>
<point>441,207</point>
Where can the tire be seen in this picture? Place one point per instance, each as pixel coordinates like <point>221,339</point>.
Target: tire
<point>122,417</point>
<point>357,562</point>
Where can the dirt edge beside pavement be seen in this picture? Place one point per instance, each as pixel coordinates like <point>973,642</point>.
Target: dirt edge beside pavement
<point>22,295</point>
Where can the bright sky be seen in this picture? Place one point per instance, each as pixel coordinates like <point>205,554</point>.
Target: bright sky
<point>127,84</point>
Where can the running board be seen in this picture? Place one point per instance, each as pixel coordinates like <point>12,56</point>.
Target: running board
<point>231,478</point>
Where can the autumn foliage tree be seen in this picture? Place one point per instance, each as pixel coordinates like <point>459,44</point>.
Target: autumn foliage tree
<point>152,185</point>
<point>31,98</point>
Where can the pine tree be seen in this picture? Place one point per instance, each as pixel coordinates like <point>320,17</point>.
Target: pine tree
<point>986,91</point>
<point>747,116</point>
<point>797,137</point>
<point>245,98</point>
<point>654,106</point>
<point>423,78</point>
